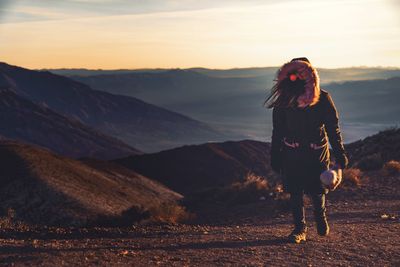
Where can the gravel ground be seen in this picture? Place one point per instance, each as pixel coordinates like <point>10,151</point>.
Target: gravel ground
<point>365,231</point>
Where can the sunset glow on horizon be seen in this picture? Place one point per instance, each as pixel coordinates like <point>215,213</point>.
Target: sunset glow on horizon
<point>214,34</point>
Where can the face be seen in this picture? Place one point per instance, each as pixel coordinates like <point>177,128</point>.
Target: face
<point>294,88</point>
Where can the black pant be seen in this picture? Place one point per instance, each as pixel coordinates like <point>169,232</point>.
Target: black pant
<point>297,206</point>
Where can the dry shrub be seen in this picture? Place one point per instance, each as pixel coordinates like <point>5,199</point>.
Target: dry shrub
<point>253,181</point>
<point>128,217</point>
<point>8,220</point>
<point>371,162</point>
<point>248,190</point>
<point>251,189</point>
<point>391,167</point>
<point>352,177</point>
<point>167,212</point>
<point>170,212</point>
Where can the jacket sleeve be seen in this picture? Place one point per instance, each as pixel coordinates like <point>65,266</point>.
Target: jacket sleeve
<point>278,125</point>
<point>335,138</point>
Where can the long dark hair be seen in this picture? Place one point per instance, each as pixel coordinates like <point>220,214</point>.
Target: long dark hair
<point>285,93</point>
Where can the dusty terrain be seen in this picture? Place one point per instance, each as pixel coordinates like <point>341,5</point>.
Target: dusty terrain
<point>365,231</point>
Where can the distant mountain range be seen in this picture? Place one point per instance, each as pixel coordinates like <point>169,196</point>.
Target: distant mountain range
<point>23,120</point>
<point>366,107</point>
<point>39,187</point>
<point>232,104</point>
<point>139,124</point>
<point>327,75</point>
<point>233,99</point>
<point>368,101</point>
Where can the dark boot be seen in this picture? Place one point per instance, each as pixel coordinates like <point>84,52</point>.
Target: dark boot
<point>322,226</point>
<point>300,228</point>
<point>298,235</point>
<point>320,214</point>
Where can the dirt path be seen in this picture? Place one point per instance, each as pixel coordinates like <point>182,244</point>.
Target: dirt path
<point>365,231</point>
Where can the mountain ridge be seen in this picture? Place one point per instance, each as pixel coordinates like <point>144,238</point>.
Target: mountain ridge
<point>25,121</point>
<point>141,125</point>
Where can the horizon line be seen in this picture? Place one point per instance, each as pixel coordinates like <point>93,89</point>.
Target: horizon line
<point>196,67</point>
<point>211,68</point>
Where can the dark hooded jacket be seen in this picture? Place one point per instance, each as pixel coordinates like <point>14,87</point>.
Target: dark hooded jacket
<point>300,143</point>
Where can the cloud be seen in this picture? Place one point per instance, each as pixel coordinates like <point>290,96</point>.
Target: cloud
<point>395,3</point>
<point>29,10</point>
<point>4,3</point>
<point>3,8</point>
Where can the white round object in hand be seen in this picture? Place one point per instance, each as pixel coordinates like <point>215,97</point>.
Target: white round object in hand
<point>329,178</point>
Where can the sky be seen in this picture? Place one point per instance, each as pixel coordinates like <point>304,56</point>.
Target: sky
<point>116,34</point>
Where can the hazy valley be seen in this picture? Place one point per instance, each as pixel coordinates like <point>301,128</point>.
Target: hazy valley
<point>137,123</point>
<point>233,99</point>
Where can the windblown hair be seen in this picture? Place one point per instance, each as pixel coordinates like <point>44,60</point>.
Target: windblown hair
<point>300,92</point>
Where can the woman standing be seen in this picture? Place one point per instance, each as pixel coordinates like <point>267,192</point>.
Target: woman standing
<point>304,120</point>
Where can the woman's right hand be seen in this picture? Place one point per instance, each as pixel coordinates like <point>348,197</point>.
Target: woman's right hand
<point>339,177</point>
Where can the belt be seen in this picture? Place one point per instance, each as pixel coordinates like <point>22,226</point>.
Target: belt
<point>294,144</point>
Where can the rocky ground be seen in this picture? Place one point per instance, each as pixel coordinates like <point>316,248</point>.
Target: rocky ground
<point>365,231</point>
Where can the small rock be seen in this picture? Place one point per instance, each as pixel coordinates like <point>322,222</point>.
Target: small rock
<point>124,252</point>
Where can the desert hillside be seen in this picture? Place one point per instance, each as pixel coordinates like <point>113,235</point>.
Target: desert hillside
<point>25,121</point>
<point>193,168</point>
<point>377,149</point>
<point>39,187</point>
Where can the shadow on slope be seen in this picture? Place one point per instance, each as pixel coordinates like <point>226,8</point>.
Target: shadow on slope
<point>38,187</point>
